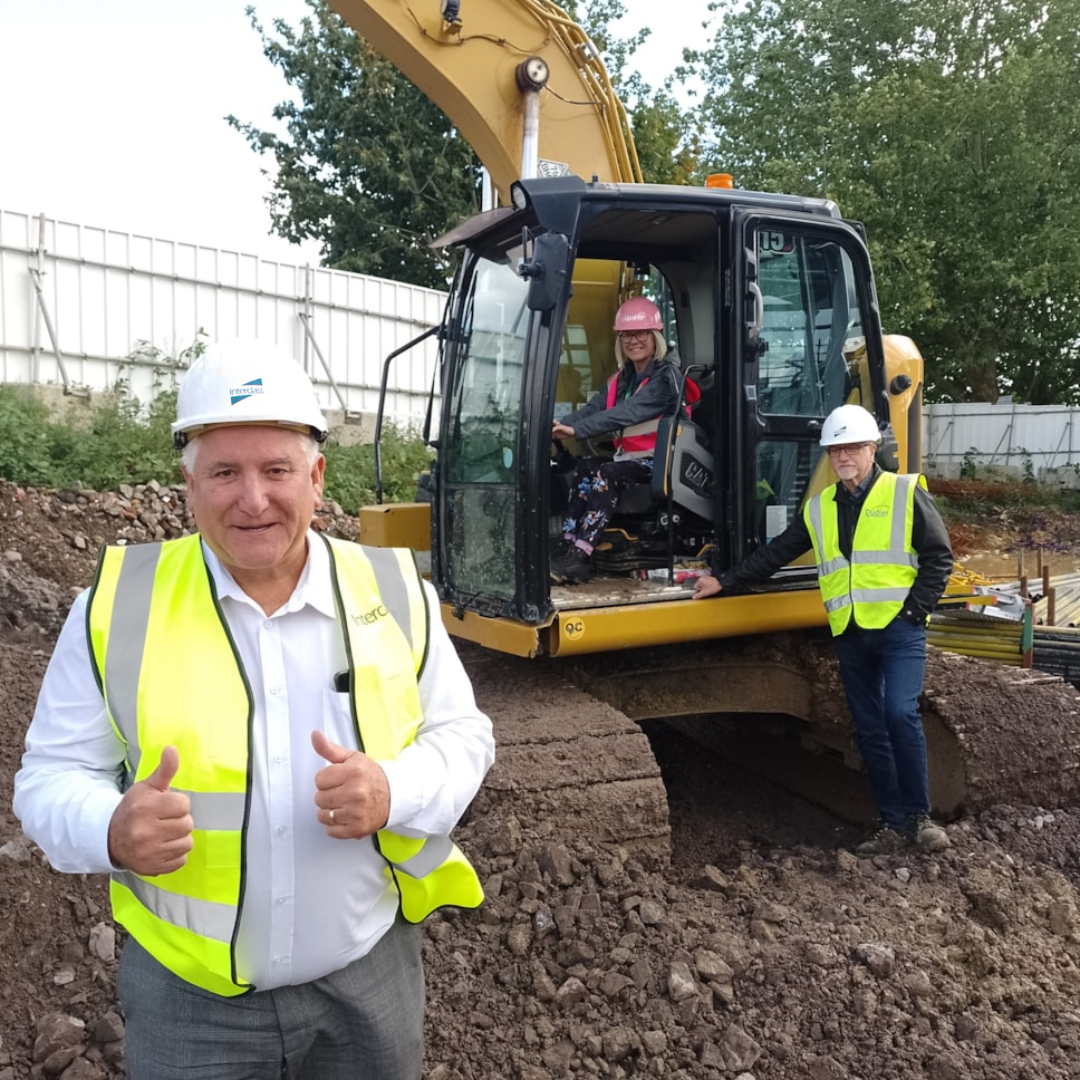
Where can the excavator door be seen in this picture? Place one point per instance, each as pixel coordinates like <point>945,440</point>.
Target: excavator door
<point>807,339</point>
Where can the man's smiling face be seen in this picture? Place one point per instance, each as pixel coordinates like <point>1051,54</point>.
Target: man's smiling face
<point>253,491</point>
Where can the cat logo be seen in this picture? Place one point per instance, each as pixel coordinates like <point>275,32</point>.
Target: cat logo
<point>366,618</point>
<point>698,477</point>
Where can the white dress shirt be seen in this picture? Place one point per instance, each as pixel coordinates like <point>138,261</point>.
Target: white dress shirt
<point>311,904</point>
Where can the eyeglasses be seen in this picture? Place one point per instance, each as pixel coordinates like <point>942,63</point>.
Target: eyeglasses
<point>634,335</point>
<point>847,451</point>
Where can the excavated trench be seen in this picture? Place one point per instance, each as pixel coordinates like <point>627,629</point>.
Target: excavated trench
<point>586,747</point>
<point>691,756</point>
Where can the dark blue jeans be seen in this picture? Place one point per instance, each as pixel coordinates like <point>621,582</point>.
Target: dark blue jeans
<point>882,672</point>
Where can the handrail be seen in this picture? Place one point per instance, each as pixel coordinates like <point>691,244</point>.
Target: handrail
<point>382,403</point>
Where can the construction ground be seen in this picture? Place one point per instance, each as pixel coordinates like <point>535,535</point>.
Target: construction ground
<point>764,950</point>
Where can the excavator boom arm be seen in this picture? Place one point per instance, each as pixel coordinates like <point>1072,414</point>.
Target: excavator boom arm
<point>469,67</point>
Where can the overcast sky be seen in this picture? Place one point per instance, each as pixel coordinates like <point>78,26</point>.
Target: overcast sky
<point>113,112</point>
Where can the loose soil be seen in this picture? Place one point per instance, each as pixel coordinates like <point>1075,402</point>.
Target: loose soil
<point>762,951</point>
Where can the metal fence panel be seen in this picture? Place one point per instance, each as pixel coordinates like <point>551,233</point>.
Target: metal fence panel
<point>1026,441</point>
<point>100,293</point>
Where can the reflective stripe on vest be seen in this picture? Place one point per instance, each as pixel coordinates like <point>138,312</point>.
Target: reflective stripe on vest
<point>153,613</point>
<point>638,440</point>
<point>152,619</point>
<point>432,872</point>
<point>875,582</point>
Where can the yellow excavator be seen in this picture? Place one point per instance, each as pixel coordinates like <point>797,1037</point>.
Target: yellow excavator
<point>770,304</point>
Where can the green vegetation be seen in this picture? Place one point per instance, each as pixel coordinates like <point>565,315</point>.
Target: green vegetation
<point>350,470</point>
<point>119,441</point>
<point>115,442</point>
<point>982,500</point>
<point>949,129</point>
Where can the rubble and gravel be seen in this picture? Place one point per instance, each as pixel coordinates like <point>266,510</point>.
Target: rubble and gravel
<point>763,951</point>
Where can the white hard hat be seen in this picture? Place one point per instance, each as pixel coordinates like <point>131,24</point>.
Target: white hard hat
<point>246,382</point>
<point>849,424</point>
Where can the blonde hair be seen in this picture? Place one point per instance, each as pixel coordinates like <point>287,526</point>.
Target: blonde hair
<point>659,348</point>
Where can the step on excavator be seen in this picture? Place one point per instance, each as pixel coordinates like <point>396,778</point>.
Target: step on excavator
<point>769,303</point>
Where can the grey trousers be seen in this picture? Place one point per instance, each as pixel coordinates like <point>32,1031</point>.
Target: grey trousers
<point>364,1022</point>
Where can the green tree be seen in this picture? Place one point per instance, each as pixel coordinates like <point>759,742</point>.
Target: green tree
<point>374,171</point>
<point>952,130</point>
<point>369,166</point>
<point>664,133</point>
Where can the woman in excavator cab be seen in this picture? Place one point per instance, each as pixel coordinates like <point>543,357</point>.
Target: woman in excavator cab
<point>636,397</point>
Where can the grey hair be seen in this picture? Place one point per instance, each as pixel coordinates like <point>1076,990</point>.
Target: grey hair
<point>190,451</point>
<point>659,352</point>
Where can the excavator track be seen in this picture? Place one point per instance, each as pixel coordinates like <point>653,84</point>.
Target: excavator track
<point>568,765</point>
<point>573,761</point>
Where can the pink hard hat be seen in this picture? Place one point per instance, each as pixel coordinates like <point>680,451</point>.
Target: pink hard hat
<point>637,313</point>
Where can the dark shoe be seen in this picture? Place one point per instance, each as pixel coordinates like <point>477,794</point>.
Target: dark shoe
<point>559,546</point>
<point>884,840</point>
<point>558,549</point>
<point>926,834</point>
<point>572,568</point>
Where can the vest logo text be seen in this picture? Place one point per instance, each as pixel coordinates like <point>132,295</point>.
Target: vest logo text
<point>366,618</point>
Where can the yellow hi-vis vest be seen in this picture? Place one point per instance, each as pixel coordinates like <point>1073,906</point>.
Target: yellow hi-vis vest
<point>170,674</point>
<point>875,583</point>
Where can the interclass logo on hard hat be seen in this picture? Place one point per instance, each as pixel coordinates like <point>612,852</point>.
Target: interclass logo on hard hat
<point>245,391</point>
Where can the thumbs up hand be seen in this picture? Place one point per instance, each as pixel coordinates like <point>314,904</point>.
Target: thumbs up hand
<point>351,792</point>
<point>150,831</point>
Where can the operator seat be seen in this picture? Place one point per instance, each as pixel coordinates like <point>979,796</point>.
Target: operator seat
<point>692,473</point>
<point>638,535</point>
<point>687,442</point>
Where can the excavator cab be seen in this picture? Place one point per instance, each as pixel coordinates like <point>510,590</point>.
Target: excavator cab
<point>769,303</point>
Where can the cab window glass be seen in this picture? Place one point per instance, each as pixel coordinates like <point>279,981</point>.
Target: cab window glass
<point>484,411</point>
<point>812,325</point>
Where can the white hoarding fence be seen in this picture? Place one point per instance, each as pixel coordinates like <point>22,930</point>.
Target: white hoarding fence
<point>1039,442</point>
<point>76,301</point>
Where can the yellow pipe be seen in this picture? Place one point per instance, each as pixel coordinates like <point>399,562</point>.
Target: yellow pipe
<point>977,648</point>
<point>959,634</point>
<point>985,651</point>
<point>971,626</point>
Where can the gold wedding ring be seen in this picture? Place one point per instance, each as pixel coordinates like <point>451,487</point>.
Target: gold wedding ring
<point>331,817</point>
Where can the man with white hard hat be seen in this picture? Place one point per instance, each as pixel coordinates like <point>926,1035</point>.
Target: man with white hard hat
<point>265,737</point>
<point>883,559</point>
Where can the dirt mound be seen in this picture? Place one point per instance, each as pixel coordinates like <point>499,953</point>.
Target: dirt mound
<point>762,952</point>
<point>1009,521</point>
